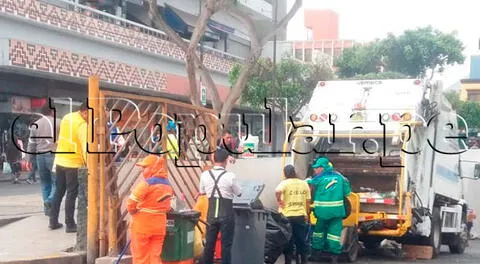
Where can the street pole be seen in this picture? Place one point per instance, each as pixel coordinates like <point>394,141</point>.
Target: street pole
<point>273,132</point>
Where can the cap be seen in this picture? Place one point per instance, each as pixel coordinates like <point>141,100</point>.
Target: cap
<point>289,170</point>
<point>147,161</point>
<point>171,125</point>
<point>322,162</point>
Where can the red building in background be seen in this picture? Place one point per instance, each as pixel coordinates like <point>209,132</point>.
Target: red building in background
<point>322,23</point>
<point>322,37</point>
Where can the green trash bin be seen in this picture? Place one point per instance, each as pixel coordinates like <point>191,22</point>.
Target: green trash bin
<point>179,239</point>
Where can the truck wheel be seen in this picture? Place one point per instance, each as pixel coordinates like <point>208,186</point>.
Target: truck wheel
<point>354,245</point>
<point>352,255</point>
<point>459,243</point>
<point>435,239</point>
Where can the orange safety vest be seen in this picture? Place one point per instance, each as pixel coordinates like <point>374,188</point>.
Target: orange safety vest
<point>149,204</point>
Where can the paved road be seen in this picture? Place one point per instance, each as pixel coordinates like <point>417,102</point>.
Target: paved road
<point>471,256</point>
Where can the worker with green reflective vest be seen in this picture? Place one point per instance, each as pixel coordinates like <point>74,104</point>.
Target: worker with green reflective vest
<point>329,188</point>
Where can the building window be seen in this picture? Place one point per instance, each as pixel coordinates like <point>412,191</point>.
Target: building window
<point>308,55</point>
<point>474,96</point>
<point>298,54</point>
<point>328,51</point>
<point>309,33</point>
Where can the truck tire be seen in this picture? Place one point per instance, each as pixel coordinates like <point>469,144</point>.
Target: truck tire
<point>459,243</point>
<point>351,251</point>
<point>435,239</point>
<point>352,255</point>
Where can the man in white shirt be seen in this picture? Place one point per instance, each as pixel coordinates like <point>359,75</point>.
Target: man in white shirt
<point>220,187</point>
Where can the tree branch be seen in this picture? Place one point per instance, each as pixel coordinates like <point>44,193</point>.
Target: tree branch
<point>433,72</point>
<point>209,8</point>
<point>283,23</point>
<point>243,18</point>
<point>192,60</point>
<point>157,20</point>
<point>247,69</point>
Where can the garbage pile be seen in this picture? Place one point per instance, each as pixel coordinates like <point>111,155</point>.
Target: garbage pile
<point>370,193</point>
<point>278,235</point>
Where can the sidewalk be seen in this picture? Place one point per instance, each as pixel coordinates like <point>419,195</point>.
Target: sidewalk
<point>30,238</point>
<point>24,232</point>
<point>17,200</point>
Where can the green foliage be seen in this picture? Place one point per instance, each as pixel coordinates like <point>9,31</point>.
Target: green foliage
<point>359,60</point>
<point>379,76</point>
<point>454,98</point>
<point>413,53</point>
<point>470,111</point>
<point>294,80</point>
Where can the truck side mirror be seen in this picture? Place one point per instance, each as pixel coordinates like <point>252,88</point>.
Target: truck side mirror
<point>476,172</point>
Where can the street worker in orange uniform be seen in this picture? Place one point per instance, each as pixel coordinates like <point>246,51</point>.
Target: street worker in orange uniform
<point>148,204</point>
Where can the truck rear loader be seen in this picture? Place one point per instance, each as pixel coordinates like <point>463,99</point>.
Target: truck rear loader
<point>397,142</point>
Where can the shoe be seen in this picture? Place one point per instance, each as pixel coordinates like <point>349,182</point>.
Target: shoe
<point>297,259</point>
<point>303,259</point>
<point>71,229</point>
<point>29,182</point>
<point>334,259</point>
<point>55,226</point>
<point>288,259</point>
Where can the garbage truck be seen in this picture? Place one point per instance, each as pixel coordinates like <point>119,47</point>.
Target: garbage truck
<point>397,143</point>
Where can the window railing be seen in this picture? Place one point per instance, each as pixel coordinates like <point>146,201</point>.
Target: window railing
<point>95,23</point>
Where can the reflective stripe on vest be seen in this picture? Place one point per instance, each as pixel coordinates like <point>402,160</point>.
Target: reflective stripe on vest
<point>151,211</point>
<point>334,238</point>
<point>328,204</point>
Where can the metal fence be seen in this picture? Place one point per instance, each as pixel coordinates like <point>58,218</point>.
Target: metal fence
<point>112,172</point>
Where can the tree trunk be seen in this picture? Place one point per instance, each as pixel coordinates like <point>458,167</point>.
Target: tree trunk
<point>193,62</point>
<point>433,72</point>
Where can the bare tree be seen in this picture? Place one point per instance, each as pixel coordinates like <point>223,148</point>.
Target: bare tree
<point>195,66</point>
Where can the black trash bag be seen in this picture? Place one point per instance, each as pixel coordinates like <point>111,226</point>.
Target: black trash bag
<point>277,237</point>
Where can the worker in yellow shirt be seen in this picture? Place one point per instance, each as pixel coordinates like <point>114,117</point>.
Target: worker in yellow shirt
<point>293,198</point>
<point>172,142</point>
<point>71,154</point>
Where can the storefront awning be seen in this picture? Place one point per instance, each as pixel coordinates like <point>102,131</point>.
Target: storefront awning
<point>184,23</point>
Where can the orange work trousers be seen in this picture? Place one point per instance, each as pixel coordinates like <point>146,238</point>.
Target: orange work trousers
<point>146,249</point>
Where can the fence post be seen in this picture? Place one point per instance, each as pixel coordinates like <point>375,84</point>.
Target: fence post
<point>102,135</point>
<point>92,163</point>
<point>81,244</point>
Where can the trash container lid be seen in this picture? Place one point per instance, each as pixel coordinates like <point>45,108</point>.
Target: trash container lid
<point>251,190</point>
<point>188,214</point>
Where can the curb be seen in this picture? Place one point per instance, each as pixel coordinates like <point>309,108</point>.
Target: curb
<point>6,221</point>
<point>71,258</point>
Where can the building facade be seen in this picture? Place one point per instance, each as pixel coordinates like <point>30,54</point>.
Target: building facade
<point>321,24</point>
<point>49,48</point>
<point>321,42</point>
<point>470,88</point>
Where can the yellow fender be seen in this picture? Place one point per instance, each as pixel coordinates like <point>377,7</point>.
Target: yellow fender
<point>352,219</point>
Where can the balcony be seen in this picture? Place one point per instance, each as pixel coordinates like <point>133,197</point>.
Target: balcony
<point>92,23</point>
